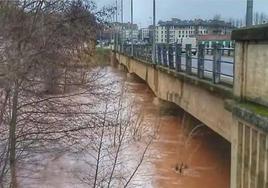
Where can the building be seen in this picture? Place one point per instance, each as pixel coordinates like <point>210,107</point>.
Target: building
<point>122,32</point>
<point>172,31</point>
<point>126,35</point>
<point>210,40</point>
<point>125,31</point>
<point>144,35</point>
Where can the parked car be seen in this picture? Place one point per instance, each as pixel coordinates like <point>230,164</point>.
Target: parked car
<point>188,40</point>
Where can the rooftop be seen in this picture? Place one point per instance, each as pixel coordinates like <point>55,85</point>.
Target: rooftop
<point>178,22</point>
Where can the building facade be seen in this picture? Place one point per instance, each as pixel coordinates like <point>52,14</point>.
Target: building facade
<point>210,40</point>
<point>123,32</point>
<point>144,35</point>
<point>176,29</point>
<point>126,32</point>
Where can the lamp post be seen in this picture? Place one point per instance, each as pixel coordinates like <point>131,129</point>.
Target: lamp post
<point>249,14</point>
<point>122,26</point>
<point>132,45</point>
<point>116,26</point>
<point>154,31</point>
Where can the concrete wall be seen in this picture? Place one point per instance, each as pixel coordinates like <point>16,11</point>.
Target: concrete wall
<point>204,104</point>
<point>249,156</point>
<point>251,64</point>
<point>251,71</point>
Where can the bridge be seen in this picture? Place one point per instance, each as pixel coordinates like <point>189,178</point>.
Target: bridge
<point>229,95</point>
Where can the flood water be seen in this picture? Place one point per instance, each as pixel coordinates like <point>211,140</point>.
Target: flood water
<point>205,155</point>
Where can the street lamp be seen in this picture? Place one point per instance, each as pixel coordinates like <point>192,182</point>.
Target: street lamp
<point>122,26</point>
<point>249,14</point>
<point>154,31</point>
<point>116,26</point>
<point>132,45</point>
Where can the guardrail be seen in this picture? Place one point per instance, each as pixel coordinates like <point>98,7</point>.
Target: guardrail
<point>215,64</point>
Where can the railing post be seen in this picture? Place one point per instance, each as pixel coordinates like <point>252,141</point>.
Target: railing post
<point>162,55</point>
<point>167,55</point>
<point>201,61</point>
<point>188,58</point>
<point>229,52</point>
<point>146,52</point>
<point>156,54</point>
<point>171,56</point>
<point>174,48</point>
<point>150,55</point>
<point>216,64</point>
<point>178,56</point>
<point>142,51</point>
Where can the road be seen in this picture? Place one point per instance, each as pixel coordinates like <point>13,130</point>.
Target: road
<point>227,67</point>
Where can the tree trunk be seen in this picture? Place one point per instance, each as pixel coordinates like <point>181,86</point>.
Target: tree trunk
<point>12,137</point>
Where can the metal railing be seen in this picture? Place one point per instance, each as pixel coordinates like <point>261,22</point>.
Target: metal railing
<point>215,64</point>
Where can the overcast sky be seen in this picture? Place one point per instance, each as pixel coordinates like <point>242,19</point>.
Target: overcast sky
<point>186,9</point>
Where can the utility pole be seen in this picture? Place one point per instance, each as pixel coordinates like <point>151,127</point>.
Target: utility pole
<point>249,14</point>
<point>154,31</point>
<point>122,26</point>
<point>132,45</point>
<point>116,25</point>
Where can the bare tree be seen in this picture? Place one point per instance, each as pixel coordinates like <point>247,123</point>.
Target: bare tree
<point>256,18</point>
<point>188,131</point>
<point>41,40</point>
<point>109,156</point>
<point>217,17</point>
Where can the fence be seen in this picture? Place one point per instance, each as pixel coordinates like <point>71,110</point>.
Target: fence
<point>215,64</point>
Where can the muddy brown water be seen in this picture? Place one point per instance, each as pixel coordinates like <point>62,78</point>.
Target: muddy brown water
<point>206,156</point>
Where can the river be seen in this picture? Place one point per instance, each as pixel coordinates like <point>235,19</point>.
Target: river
<point>205,157</point>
